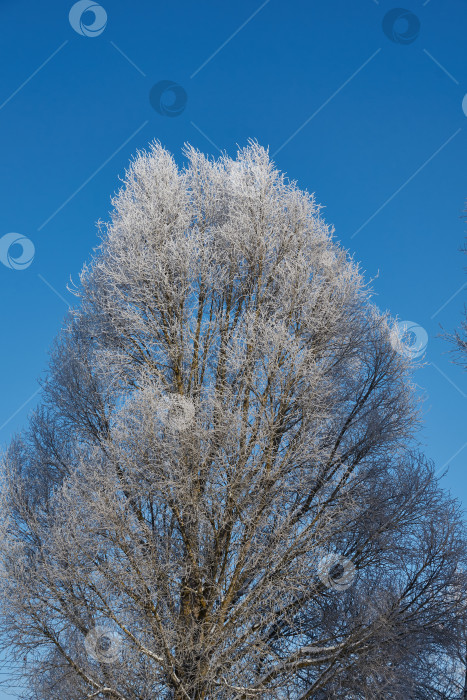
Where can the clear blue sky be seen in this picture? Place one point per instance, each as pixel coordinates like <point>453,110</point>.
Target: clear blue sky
<point>371,121</point>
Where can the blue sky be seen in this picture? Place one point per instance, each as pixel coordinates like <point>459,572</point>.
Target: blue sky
<point>370,120</point>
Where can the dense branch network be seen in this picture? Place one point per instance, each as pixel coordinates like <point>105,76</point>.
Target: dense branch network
<point>218,498</point>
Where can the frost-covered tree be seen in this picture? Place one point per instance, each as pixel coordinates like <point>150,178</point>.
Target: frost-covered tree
<point>220,495</point>
<point>458,340</point>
